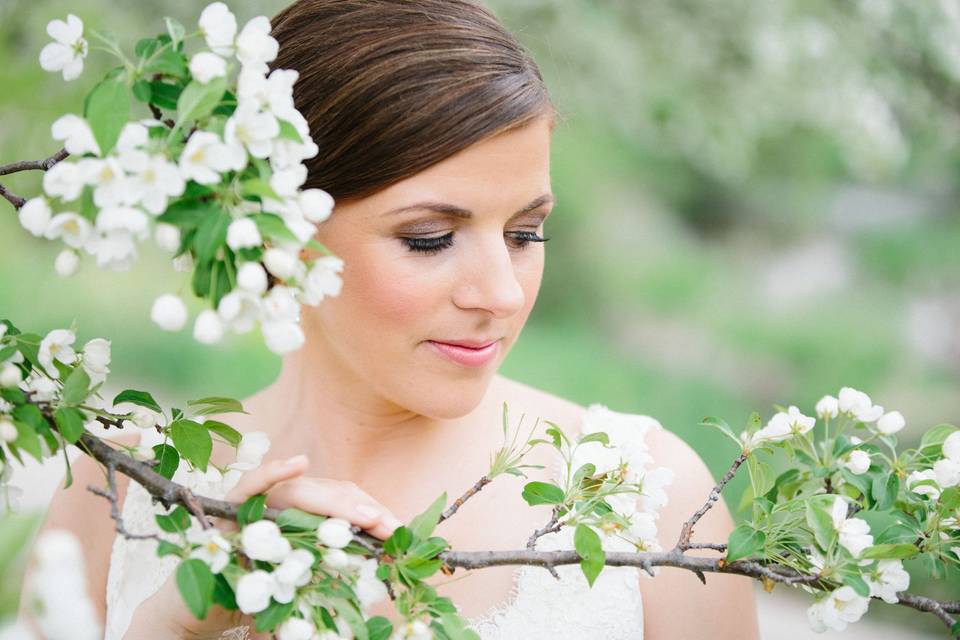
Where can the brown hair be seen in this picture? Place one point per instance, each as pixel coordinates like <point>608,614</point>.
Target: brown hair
<point>391,87</point>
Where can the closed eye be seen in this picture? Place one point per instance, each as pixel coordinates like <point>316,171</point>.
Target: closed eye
<point>430,246</point>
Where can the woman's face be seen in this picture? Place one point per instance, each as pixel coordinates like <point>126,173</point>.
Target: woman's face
<point>478,284</point>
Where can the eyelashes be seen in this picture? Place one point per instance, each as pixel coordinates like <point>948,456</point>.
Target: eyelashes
<point>431,246</point>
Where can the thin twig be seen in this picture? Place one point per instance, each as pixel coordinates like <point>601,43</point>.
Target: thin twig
<point>27,165</point>
<point>111,495</point>
<point>683,543</point>
<point>472,491</point>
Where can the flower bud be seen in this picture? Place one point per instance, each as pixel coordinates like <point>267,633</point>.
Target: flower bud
<point>10,375</point>
<point>208,327</point>
<point>857,462</point>
<point>828,407</point>
<point>167,237</point>
<point>335,533</point>
<point>243,233</point>
<point>67,263</point>
<point>169,312</point>
<point>252,277</point>
<point>144,453</point>
<point>8,431</point>
<point>205,66</point>
<point>890,423</point>
<point>282,264</point>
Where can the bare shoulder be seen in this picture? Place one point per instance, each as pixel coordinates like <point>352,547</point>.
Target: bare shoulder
<point>523,399</point>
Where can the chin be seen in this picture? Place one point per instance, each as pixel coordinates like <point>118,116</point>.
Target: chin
<point>451,398</point>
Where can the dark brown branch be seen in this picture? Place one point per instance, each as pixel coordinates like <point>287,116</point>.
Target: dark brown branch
<point>111,495</point>
<point>452,509</point>
<point>684,542</point>
<point>27,165</point>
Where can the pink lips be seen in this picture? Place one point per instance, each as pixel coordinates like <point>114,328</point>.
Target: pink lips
<point>467,356</point>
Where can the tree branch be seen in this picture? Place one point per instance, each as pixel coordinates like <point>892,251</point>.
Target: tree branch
<point>683,543</point>
<point>27,165</point>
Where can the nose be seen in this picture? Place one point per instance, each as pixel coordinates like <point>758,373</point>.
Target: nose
<point>489,280</point>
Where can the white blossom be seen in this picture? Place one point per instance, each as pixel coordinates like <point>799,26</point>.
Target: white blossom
<point>144,453</point>
<point>262,540</point>
<point>827,407</point>
<point>67,263</point>
<point>219,28</point>
<point>288,180</point>
<point>57,345</point>
<point>125,221</point>
<point>240,310</point>
<point>141,417</point>
<point>322,280</point>
<point>72,228</point>
<point>273,93</point>
<point>293,572</point>
<point>169,312</point>
<point>926,489</point>
<point>68,50</point>
<point>167,237</point>
<point>35,215</point>
<point>64,180</point>
<point>96,359</point>
<point>891,423</point>
<point>288,153</point>
<point>784,425</point>
<point>335,558</point>
<point>282,337</point>
<point>858,405</point>
<point>57,590</point>
<point>112,186</point>
<point>280,305</point>
<point>369,589</point>
<point>253,446</point>
<point>887,580</point>
<point>951,446</point>
<point>43,388</point>
<point>254,590</point>
<point>213,550</point>
<point>837,610</point>
<point>243,233</point>
<point>296,629</point>
<point>115,250</point>
<point>281,263</point>
<point>76,134</point>
<point>854,532</point>
<point>947,472</point>
<point>8,431</point>
<point>205,66</point>
<point>255,45</point>
<point>252,129</point>
<point>334,532</point>
<point>134,135</point>
<point>316,204</point>
<point>205,157</point>
<point>856,461</point>
<point>154,180</point>
<point>252,277</point>
<point>208,327</point>
<point>10,375</point>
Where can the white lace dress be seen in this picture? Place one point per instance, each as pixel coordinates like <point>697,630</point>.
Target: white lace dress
<point>539,607</point>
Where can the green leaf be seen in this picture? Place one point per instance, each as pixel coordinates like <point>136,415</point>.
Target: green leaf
<point>167,548</point>
<point>761,475</point>
<point>352,617</point>
<point>885,490</point>
<point>586,469</point>
<point>890,551</point>
<point>252,509</point>
<point>537,492</point>
<point>398,542</point>
<point>423,524</point>
<point>141,91</point>
<point>935,436</point>
<point>225,431</point>
<point>215,404</point>
<point>259,188</point>
<point>820,523</point>
<point>164,94</point>
<point>76,387</point>
<point>177,521</point>
<point>272,226</point>
<point>853,579</point>
<point>27,439</point>
<point>744,541</point>
<point>168,63</point>
<point>455,628</point>
<point>108,109</point>
<point>588,546</point>
<point>141,398</point>
<point>294,519</point>
<point>169,459</point>
<point>223,593</point>
<point>176,31</point>
<point>379,628</point>
<point>198,100</point>
<point>721,425</point>
<point>196,582</point>
<point>69,423</point>
<point>211,235</point>
<point>273,615</point>
<point>288,131</point>
<point>596,436</point>
<point>193,442</point>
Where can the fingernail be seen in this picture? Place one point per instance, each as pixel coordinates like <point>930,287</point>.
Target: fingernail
<point>367,511</point>
<point>295,460</point>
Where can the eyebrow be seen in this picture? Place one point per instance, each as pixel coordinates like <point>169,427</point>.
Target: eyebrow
<point>460,212</point>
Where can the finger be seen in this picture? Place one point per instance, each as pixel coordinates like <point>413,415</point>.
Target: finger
<point>260,480</point>
<point>336,499</point>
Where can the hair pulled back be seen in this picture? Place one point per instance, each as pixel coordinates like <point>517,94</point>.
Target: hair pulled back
<point>391,87</point>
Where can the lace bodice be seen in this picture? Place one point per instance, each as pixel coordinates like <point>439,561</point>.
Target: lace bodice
<point>539,607</point>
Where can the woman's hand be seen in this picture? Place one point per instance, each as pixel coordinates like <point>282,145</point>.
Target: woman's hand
<point>285,486</point>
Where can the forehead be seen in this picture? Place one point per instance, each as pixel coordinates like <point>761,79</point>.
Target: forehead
<point>498,174</point>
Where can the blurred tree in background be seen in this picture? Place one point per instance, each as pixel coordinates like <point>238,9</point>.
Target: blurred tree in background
<point>756,205</point>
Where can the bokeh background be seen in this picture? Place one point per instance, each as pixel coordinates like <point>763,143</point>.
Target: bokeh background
<point>757,204</point>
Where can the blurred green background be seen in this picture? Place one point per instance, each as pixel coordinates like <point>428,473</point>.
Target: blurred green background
<point>756,205</point>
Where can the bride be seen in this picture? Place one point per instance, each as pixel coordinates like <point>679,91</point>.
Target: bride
<point>434,129</point>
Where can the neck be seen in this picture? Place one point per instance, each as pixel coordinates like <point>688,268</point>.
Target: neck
<point>351,432</point>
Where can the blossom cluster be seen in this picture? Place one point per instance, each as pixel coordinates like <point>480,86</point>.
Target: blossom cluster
<point>218,185</point>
